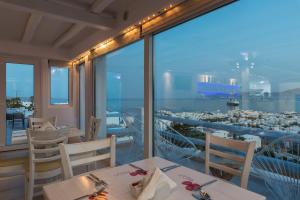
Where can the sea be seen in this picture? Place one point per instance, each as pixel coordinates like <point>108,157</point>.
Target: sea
<point>274,104</point>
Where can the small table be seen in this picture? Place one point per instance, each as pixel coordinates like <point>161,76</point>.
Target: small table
<point>119,179</point>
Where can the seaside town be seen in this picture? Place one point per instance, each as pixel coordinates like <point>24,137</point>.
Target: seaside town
<point>287,122</point>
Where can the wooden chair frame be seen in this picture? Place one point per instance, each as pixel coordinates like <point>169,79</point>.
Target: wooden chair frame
<point>50,150</point>
<point>245,161</point>
<point>87,149</point>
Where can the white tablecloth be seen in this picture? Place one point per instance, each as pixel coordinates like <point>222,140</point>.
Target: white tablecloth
<point>119,179</point>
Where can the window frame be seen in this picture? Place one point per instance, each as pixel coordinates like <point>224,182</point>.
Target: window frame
<point>36,91</point>
<point>69,87</point>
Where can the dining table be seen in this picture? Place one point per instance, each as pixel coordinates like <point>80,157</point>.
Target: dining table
<point>119,179</point>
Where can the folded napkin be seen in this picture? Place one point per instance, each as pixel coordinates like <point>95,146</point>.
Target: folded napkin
<point>159,187</point>
<point>47,126</point>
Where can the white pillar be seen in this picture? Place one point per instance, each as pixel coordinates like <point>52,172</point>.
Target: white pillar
<point>148,97</point>
<point>2,104</point>
<point>100,93</point>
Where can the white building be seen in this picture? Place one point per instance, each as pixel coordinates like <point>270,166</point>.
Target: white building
<point>250,138</point>
<point>222,134</point>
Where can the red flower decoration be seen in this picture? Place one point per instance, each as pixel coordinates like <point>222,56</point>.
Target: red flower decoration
<point>138,172</point>
<point>190,186</point>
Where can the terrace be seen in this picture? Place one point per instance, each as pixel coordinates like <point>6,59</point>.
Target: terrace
<point>158,75</point>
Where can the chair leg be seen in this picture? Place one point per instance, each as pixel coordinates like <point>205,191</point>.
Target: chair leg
<point>30,189</point>
<point>26,188</point>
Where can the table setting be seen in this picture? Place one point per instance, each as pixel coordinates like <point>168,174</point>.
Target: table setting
<point>150,179</point>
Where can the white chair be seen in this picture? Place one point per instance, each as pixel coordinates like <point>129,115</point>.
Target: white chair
<point>243,161</point>
<point>85,153</point>
<point>44,163</point>
<point>278,164</point>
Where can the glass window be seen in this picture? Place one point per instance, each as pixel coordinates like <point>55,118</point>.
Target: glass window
<point>59,85</point>
<point>19,101</point>
<point>119,80</point>
<point>233,72</point>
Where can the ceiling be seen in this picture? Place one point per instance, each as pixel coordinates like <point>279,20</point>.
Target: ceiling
<point>62,29</point>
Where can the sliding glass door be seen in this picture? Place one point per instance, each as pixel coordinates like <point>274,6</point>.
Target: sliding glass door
<point>19,101</point>
<point>119,84</point>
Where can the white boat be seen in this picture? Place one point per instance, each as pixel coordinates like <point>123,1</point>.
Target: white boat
<point>233,102</point>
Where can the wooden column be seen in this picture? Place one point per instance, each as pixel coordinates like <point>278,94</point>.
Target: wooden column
<point>89,91</point>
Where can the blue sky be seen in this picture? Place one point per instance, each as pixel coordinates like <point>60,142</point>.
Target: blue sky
<point>265,31</point>
<point>20,81</point>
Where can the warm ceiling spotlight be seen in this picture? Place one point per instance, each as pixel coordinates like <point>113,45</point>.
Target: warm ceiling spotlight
<point>165,9</point>
<point>171,5</point>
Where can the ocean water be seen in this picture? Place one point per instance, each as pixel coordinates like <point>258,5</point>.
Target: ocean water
<point>273,104</point>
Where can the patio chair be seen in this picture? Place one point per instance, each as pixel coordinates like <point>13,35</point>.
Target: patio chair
<point>213,145</point>
<point>130,145</point>
<point>9,117</point>
<point>172,145</point>
<point>18,116</point>
<point>278,164</point>
<point>85,153</point>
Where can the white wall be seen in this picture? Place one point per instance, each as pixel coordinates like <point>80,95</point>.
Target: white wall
<point>66,114</point>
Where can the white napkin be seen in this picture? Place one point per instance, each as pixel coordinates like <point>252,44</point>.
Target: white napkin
<point>159,187</point>
<point>47,126</point>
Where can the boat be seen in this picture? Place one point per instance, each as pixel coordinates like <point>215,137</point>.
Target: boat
<point>233,102</point>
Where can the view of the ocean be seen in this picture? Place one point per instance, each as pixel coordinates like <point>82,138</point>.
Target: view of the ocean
<point>274,104</point>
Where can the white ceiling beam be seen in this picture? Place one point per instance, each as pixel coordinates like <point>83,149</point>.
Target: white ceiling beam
<point>99,5</point>
<point>72,3</point>
<point>81,6</point>
<point>32,24</point>
<point>22,49</point>
<point>135,15</point>
<point>76,28</point>
<point>59,11</point>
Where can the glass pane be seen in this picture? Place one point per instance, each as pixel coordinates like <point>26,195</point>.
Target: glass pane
<point>120,99</point>
<point>59,85</point>
<point>82,96</point>
<point>19,101</point>
<point>233,73</point>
